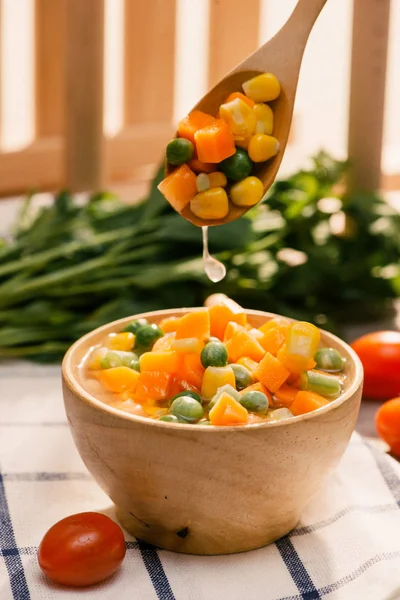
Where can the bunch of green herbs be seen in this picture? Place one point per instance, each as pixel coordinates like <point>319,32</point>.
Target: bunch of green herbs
<point>305,252</point>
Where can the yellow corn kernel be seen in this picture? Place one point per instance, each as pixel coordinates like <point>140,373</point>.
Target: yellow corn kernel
<point>214,378</point>
<point>301,344</point>
<point>95,357</point>
<point>217,179</point>
<point>202,182</point>
<point>265,118</point>
<point>239,116</point>
<point>124,341</point>
<point>248,362</point>
<point>262,147</point>
<point>262,88</point>
<point>211,204</point>
<point>247,192</point>
<point>242,142</point>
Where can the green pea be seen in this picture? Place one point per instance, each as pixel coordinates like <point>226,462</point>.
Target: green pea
<point>170,419</point>
<point>238,166</point>
<point>187,393</point>
<point>147,335</point>
<point>117,358</point>
<point>214,354</point>
<point>227,389</point>
<point>326,385</point>
<point>187,408</point>
<point>243,377</point>
<point>135,325</point>
<point>179,151</point>
<point>329,359</point>
<point>135,365</point>
<point>280,414</point>
<point>254,402</point>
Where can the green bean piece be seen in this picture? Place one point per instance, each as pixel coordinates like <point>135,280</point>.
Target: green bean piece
<point>214,354</point>
<point>254,402</point>
<point>280,414</point>
<point>187,393</point>
<point>243,376</point>
<point>135,365</point>
<point>117,358</point>
<point>329,359</point>
<point>187,408</point>
<point>147,335</point>
<point>135,325</point>
<point>326,385</point>
<point>170,419</point>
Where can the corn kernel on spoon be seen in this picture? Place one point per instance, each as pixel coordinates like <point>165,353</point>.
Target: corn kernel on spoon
<point>282,56</point>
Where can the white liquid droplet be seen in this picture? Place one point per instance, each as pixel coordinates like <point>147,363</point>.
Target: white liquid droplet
<point>214,269</point>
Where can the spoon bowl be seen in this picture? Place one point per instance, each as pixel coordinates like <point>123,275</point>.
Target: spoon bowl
<point>282,56</point>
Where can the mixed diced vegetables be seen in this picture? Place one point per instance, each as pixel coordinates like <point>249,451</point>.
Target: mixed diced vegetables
<point>215,157</point>
<point>212,367</point>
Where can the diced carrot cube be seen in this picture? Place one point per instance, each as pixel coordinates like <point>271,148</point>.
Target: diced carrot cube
<point>214,142</point>
<point>222,312</point>
<point>179,187</point>
<point>231,329</point>
<point>280,322</point>
<point>192,370</point>
<point>194,121</point>
<point>242,343</point>
<point>119,379</point>
<point>167,362</point>
<point>272,339</point>
<point>164,343</point>
<point>200,167</point>
<point>169,324</point>
<point>228,411</point>
<point>241,96</point>
<point>285,395</point>
<point>152,385</point>
<point>271,372</point>
<point>194,325</point>
<point>306,402</point>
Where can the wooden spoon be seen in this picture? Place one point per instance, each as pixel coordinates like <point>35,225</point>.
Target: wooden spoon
<point>282,55</point>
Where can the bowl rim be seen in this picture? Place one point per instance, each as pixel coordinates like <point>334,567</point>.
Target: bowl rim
<point>84,396</point>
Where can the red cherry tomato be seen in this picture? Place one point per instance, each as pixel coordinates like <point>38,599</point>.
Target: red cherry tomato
<point>380,355</point>
<point>82,549</point>
<point>387,422</point>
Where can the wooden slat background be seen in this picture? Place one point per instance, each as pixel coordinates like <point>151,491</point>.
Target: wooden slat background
<point>70,147</point>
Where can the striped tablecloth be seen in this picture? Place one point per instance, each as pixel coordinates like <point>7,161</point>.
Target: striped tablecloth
<point>347,546</point>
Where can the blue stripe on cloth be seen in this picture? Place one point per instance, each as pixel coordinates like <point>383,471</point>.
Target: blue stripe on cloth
<point>332,587</point>
<point>43,476</point>
<point>379,508</point>
<point>297,570</point>
<point>384,465</point>
<point>156,571</point>
<point>13,562</point>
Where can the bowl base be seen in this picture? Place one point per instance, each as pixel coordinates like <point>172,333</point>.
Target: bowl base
<point>187,541</point>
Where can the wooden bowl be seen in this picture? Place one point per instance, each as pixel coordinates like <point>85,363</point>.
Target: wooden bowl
<point>208,490</point>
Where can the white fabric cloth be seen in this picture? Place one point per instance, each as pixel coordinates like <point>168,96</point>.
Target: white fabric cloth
<point>347,546</point>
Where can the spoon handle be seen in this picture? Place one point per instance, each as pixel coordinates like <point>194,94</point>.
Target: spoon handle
<point>301,21</point>
<point>284,52</point>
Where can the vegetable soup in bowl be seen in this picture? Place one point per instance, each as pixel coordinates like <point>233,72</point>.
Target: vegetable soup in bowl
<point>211,428</point>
